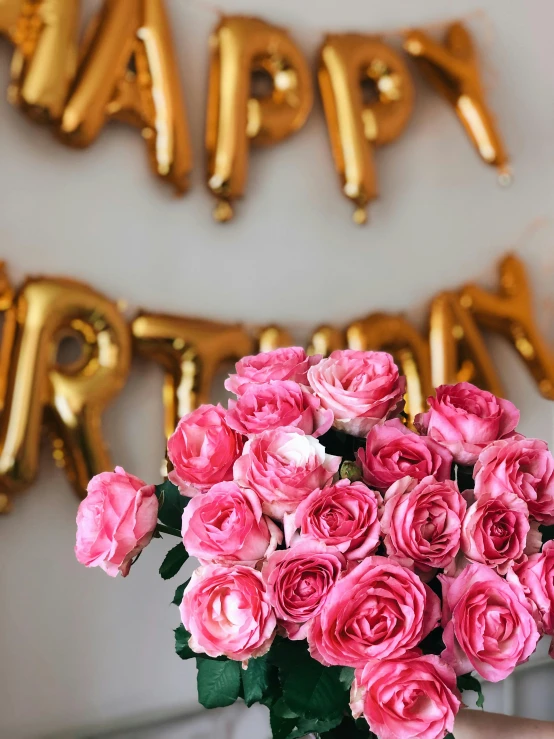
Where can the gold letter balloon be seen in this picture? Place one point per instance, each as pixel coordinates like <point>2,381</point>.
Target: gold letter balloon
<point>352,65</point>
<point>243,48</point>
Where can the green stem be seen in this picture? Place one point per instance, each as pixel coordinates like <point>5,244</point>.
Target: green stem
<point>163,529</point>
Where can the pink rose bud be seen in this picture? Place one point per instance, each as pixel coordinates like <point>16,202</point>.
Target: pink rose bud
<point>422,523</point>
<point>414,696</point>
<point>344,515</point>
<point>522,466</point>
<point>464,419</point>
<point>496,531</point>
<point>115,521</point>
<point>203,450</point>
<point>288,363</point>
<point>536,575</point>
<point>362,389</point>
<point>298,581</point>
<point>227,612</point>
<point>392,452</point>
<point>488,625</point>
<point>226,526</point>
<point>283,467</point>
<point>378,610</point>
<point>269,405</point>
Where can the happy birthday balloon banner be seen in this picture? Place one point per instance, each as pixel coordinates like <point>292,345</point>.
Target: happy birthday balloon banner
<point>126,69</point>
<point>38,390</point>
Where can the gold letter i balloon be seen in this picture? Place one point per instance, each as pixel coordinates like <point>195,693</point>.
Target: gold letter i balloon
<point>240,48</point>
<point>349,64</point>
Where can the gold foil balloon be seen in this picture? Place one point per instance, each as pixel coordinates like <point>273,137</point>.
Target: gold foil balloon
<point>510,313</point>
<point>273,337</point>
<point>458,351</point>
<point>326,340</point>
<point>394,334</point>
<point>240,48</point>
<point>351,64</point>
<point>453,70</point>
<point>190,351</point>
<point>37,388</point>
<point>129,72</point>
<point>44,62</point>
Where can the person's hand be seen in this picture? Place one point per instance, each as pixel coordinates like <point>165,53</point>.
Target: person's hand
<point>471,724</point>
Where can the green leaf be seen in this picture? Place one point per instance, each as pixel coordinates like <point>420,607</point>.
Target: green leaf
<point>173,561</point>
<point>317,726</point>
<point>178,597</point>
<point>468,682</point>
<point>182,648</point>
<point>547,533</point>
<point>281,709</point>
<point>314,691</point>
<point>171,504</point>
<point>280,727</point>
<point>255,680</point>
<point>218,682</point>
<point>347,676</point>
<point>350,729</point>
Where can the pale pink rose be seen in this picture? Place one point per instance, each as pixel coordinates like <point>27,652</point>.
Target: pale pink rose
<point>536,575</point>
<point>378,610</point>
<point>392,452</point>
<point>268,405</point>
<point>283,467</point>
<point>115,521</point>
<point>203,450</point>
<point>298,581</point>
<point>465,420</point>
<point>496,531</point>
<point>422,523</point>
<point>488,624</point>
<point>414,696</point>
<point>227,612</point>
<point>362,389</point>
<point>226,526</point>
<point>288,363</point>
<point>344,515</point>
<point>522,466</point>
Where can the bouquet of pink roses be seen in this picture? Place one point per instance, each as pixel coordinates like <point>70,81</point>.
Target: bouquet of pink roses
<point>355,576</point>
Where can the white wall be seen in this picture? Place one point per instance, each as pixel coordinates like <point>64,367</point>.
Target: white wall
<point>77,648</point>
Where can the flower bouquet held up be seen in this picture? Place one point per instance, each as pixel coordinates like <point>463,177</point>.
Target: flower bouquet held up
<point>355,576</point>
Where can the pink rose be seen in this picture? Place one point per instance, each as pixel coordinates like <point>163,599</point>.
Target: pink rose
<point>115,521</point>
<point>362,389</point>
<point>496,531</point>
<point>227,612</point>
<point>522,466</point>
<point>415,696</point>
<point>465,419</point>
<point>289,363</point>
<point>226,525</point>
<point>378,610</point>
<point>392,452</point>
<point>422,523</point>
<point>344,515</point>
<point>268,405</point>
<point>283,467</point>
<point>298,581</point>
<point>487,622</point>
<point>203,450</point>
<point>536,575</point>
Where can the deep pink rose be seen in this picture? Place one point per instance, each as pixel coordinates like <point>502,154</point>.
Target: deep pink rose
<point>283,467</point>
<point>115,521</point>
<point>226,526</point>
<point>465,419</point>
<point>362,389</point>
<point>227,612</point>
<point>536,575</point>
<point>268,405</point>
<point>392,452</point>
<point>422,523</point>
<point>414,696</point>
<point>488,625</point>
<point>203,450</point>
<point>496,531</point>
<point>378,610</point>
<point>344,515</point>
<point>288,363</point>
<point>524,467</point>
<point>298,581</point>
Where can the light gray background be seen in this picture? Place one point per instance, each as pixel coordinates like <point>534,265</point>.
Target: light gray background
<point>80,649</point>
